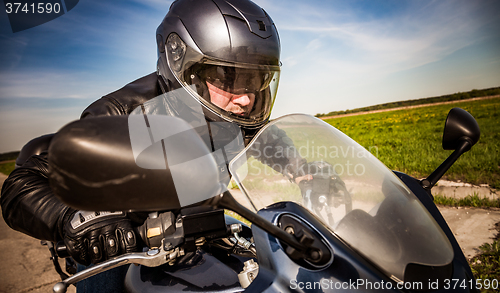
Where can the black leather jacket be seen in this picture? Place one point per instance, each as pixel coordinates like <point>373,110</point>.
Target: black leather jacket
<point>28,203</point>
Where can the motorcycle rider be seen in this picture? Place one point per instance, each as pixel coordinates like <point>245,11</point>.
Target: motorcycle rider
<point>224,55</point>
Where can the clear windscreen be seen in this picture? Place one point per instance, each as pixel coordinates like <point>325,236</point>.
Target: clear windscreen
<point>302,159</point>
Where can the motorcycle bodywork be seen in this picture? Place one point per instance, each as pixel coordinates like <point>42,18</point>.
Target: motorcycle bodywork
<point>277,272</point>
<point>346,270</point>
<point>393,237</point>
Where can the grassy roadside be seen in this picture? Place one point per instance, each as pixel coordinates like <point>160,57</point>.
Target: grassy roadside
<point>486,265</point>
<point>469,201</point>
<point>6,168</point>
<point>7,162</point>
<point>410,140</point>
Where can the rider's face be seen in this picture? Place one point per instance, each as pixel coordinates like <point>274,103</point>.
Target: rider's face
<point>237,103</point>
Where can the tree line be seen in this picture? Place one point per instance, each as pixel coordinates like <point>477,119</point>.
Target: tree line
<point>452,97</point>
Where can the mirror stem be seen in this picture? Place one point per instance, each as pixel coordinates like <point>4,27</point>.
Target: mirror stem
<point>227,201</point>
<point>432,179</point>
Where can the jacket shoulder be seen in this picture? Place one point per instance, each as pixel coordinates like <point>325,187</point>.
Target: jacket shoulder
<point>34,147</point>
<point>126,99</point>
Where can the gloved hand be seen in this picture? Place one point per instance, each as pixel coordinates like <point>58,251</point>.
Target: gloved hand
<point>317,177</point>
<point>93,237</point>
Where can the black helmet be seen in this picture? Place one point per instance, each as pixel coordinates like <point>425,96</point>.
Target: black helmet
<point>222,49</point>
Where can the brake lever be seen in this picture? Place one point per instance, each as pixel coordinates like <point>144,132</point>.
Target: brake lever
<point>152,258</point>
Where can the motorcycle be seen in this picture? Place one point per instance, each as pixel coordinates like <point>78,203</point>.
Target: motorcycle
<point>352,224</point>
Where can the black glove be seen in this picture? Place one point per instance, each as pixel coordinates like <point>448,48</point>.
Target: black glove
<point>316,178</point>
<point>93,237</point>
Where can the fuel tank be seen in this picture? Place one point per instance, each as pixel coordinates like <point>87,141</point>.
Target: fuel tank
<point>198,271</point>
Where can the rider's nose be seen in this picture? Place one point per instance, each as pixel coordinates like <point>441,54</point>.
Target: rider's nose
<point>242,100</point>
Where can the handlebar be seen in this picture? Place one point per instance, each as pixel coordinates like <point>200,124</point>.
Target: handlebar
<point>151,258</point>
<point>61,250</point>
<point>172,244</point>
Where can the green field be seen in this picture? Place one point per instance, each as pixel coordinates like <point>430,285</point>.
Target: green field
<point>7,162</point>
<point>410,140</point>
<point>6,168</point>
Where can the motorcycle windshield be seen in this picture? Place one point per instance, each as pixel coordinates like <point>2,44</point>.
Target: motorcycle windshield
<point>302,159</point>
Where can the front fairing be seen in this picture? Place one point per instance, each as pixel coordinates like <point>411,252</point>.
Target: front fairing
<point>368,207</point>
<point>347,272</point>
<point>350,269</point>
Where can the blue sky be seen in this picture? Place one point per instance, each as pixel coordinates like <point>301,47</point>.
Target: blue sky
<point>336,55</point>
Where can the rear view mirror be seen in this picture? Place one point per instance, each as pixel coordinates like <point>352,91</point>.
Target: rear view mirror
<point>99,164</point>
<point>461,132</point>
<point>460,126</point>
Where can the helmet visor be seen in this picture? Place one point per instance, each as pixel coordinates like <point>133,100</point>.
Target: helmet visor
<point>243,94</point>
<point>238,92</point>
<point>236,80</point>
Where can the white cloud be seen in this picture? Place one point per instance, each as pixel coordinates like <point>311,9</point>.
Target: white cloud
<point>335,57</point>
<point>417,37</point>
<point>314,45</point>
